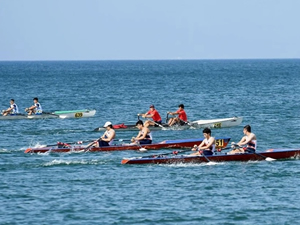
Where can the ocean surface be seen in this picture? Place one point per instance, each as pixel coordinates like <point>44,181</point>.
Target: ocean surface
<point>94,188</point>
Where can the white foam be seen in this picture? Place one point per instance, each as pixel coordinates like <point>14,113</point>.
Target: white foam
<point>192,164</point>
<point>72,162</point>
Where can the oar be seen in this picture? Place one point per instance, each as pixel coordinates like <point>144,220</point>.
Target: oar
<point>265,157</point>
<point>142,149</point>
<point>70,143</point>
<point>121,140</point>
<point>205,157</point>
<point>88,147</point>
<point>174,153</point>
<point>202,154</point>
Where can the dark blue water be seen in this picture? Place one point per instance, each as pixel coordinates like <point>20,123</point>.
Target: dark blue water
<point>94,188</point>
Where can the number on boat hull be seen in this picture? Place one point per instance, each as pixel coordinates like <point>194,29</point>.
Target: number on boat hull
<point>220,143</point>
<point>217,125</point>
<point>78,115</point>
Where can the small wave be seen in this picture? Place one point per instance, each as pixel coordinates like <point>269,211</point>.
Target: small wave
<point>56,162</point>
<point>253,161</point>
<point>3,150</point>
<point>192,164</point>
<point>43,153</point>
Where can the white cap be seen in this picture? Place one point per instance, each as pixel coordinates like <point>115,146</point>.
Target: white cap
<point>107,124</point>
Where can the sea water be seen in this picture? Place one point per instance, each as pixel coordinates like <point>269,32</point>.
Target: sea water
<point>94,188</point>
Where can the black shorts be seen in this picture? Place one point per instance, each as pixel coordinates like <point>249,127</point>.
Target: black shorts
<point>103,143</point>
<point>249,150</point>
<point>207,152</point>
<point>157,122</point>
<point>181,123</point>
<point>145,141</point>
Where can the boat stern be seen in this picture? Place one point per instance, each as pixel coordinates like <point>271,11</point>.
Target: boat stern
<point>125,161</point>
<point>28,150</point>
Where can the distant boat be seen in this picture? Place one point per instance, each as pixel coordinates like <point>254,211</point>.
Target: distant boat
<point>212,123</point>
<point>57,114</point>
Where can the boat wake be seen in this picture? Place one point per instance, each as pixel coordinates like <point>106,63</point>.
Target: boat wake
<point>4,150</point>
<point>62,162</point>
<point>192,164</point>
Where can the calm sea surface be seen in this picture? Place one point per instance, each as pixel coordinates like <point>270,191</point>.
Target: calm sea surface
<point>94,188</point>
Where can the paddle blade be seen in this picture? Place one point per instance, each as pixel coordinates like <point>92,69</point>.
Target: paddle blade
<point>269,159</point>
<point>143,150</point>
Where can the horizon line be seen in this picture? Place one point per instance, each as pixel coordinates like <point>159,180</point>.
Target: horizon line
<point>177,59</point>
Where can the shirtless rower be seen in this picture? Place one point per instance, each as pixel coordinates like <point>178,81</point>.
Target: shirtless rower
<point>249,140</point>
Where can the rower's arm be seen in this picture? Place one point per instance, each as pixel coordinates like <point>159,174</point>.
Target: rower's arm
<point>243,141</point>
<point>8,109</point>
<point>146,115</point>
<point>143,135</point>
<point>203,146</point>
<point>136,138</point>
<point>32,107</point>
<point>173,113</point>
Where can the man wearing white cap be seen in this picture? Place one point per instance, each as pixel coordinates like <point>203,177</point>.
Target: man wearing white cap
<point>107,138</point>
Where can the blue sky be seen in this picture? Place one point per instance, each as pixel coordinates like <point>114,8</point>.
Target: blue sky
<point>156,29</point>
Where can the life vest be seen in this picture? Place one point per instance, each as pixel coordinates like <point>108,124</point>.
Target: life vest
<point>119,126</point>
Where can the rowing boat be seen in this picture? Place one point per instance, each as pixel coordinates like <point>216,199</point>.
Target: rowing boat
<point>218,123</point>
<point>221,142</point>
<point>175,159</point>
<point>212,123</point>
<point>49,115</point>
<point>75,113</point>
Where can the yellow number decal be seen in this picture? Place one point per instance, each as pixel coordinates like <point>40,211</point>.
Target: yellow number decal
<point>220,143</point>
<point>78,115</point>
<point>217,125</point>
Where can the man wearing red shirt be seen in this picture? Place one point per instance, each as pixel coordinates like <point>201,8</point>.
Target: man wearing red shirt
<point>152,113</point>
<point>181,119</point>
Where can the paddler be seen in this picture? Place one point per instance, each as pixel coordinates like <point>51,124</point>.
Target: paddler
<point>12,110</point>
<point>144,136</point>
<point>249,140</point>
<point>152,113</point>
<point>36,108</point>
<point>207,146</point>
<point>107,138</point>
<point>181,119</point>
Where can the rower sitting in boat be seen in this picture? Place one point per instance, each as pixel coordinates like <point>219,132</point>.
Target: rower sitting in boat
<point>107,138</point>
<point>152,113</point>
<point>249,139</point>
<point>207,146</point>
<point>36,108</point>
<point>144,136</point>
<point>12,110</point>
<point>181,119</point>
